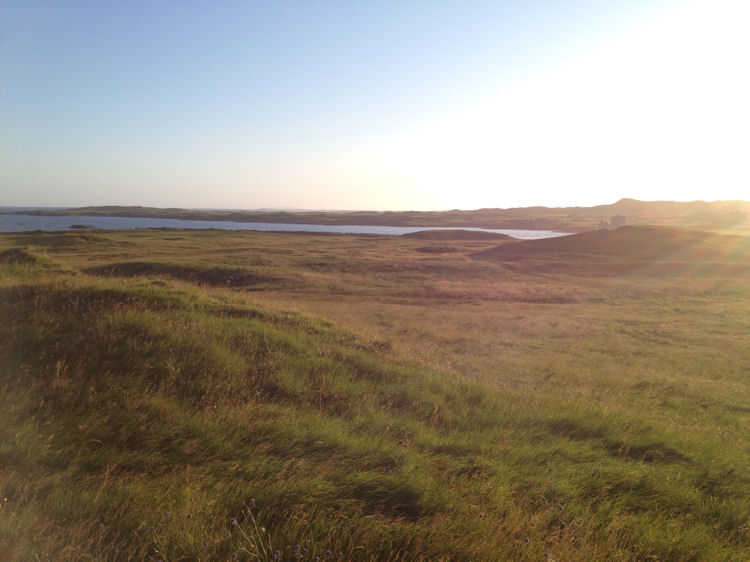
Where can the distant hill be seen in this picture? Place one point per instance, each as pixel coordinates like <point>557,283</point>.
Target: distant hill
<point>707,214</point>
<point>626,249</point>
<point>702,215</point>
<point>457,235</point>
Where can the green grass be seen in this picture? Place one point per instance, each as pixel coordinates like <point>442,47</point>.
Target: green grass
<point>431,409</point>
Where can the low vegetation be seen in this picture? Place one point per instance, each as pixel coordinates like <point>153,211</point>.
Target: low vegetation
<point>174,395</point>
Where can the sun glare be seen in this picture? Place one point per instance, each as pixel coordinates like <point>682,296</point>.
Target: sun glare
<point>660,110</point>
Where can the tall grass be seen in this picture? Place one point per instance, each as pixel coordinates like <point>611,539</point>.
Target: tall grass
<point>153,419</point>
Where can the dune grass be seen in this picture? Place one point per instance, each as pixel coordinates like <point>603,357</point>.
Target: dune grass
<point>377,401</point>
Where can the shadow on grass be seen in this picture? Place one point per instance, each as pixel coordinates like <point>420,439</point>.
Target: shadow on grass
<point>656,452</point>
<point>385,495</point>
<point>573,430</point>
<point>651,452</point>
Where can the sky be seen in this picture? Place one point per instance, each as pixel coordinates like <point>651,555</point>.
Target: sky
<point>380,105</point>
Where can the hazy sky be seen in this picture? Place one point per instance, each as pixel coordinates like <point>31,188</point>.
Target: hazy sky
<point>373,104</point>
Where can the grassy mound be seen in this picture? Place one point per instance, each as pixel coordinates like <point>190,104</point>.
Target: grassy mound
<point>20,256</point>
<point>629,248</point>
<point>456,235</point>
<point>214,276</point>
<point>165,415</point>
<point>437,249</point>
<point>53,242</point>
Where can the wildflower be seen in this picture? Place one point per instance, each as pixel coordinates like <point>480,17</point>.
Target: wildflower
<point>252,502</point>
<point>328,552</point>
<point>305,551</point>
<point>234,555</point>
<point>526,540</point>
<point>168,513</point>
<point>341,554</point>
<point>297,548</point>
<point>233,521</point>
<point>189,516</point>
<point>205,544</point>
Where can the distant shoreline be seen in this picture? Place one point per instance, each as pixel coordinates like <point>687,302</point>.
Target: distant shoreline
<point>704,215</point>
<point>27,222</point>
<point>484,218</point>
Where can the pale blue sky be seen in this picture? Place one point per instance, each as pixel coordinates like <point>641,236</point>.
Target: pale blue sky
<point>372,105</point>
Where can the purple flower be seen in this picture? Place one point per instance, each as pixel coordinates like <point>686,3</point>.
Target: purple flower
<point>252,502</point>
<point>189,516</point>
<point>233,521</point>
<point>527,540</point>
<point>297,548</point>
<point>234,555</point>
<point>205,544</point>
<point>305,550</point>
<point>341,554</point>
<point>328,552</point>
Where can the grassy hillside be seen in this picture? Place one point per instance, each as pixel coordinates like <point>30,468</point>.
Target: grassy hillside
<point>633,249</point>
<point>175,395</point>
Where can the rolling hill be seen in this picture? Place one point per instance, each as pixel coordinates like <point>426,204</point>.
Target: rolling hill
<point>628,248</point>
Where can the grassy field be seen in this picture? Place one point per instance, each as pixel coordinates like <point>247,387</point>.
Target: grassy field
<point>201,395</point>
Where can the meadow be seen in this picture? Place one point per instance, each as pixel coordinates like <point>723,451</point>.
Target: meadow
<point>217,395</point>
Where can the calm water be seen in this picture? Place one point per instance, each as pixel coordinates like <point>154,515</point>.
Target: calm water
<point>23,223</point>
